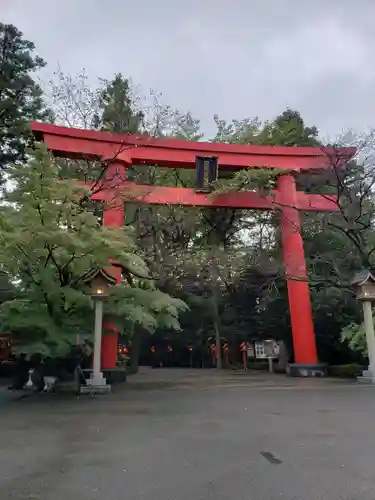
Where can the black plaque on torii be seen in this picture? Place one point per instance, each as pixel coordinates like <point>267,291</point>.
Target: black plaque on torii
<point>207,170</point>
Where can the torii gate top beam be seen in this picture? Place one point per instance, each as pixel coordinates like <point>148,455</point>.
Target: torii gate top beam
<point>177,153</point>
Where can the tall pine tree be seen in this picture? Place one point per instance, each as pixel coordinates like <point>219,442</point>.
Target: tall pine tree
<point>20,96</point>
<point>117,106</point>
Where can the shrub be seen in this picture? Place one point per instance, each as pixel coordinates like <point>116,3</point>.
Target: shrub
<point>352,370</point>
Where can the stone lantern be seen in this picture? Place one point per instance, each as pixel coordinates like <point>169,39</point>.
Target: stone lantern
<point>364,285</point>
<point>100,281</point>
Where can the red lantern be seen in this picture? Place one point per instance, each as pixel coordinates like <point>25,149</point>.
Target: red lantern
<point>244,346</point>
<point>226,353</point>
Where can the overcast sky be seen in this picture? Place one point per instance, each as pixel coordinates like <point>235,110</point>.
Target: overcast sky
<point>238,58</point>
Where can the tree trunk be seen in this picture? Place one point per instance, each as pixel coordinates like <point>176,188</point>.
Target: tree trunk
<point>219,363</point>
<point>215,297</point>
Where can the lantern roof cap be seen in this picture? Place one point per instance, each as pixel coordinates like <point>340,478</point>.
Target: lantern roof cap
<point>362,277</point>
<point>106,273</point>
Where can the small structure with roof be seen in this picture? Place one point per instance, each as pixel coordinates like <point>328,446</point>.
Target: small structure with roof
<point>364,285</point>
<point>100,281</point>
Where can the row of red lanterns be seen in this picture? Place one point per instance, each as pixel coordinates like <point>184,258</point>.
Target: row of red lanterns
<point>243,348</point>
<point>123,349</point>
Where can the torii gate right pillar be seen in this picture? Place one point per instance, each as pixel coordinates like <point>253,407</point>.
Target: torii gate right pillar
<point>304,342</point>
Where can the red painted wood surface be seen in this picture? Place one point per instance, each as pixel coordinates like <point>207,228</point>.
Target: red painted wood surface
<point>181,153</point>
<point>304,343</point>
<point>163,195</point>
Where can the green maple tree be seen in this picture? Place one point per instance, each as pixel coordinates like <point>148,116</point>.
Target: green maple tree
<point>49,242</point>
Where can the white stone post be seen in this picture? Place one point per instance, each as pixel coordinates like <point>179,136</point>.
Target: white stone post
<point>270,364</point>
<point>97,374</point>
<point>97,383</point>
<point>370,337</point>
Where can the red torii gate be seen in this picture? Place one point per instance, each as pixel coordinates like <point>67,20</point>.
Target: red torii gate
<point>124,150</point>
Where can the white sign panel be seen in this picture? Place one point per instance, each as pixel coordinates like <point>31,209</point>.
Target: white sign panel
<point>259,350</point>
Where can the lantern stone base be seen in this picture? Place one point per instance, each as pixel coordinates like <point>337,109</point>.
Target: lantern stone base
<point>90,389</point>
<point>297,370</point>
<point>112,375</point>
<point>367,377</point>
<point>96,385</point>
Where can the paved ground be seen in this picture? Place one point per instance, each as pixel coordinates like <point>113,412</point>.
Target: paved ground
<point>193,435</point>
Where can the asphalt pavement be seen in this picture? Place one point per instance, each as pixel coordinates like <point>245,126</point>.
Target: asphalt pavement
<point>192,435</point>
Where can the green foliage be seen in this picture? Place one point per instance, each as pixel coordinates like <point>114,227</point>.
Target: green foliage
<point>39,328</point>
<point>352,370</point>
<point>117,107</point>
<point>262,180</point>
<point>48,244</point>
<point>21,98</point>
<point>133,306</point>
<point>355,336</point>
<point>7,289</point>
<point>185,127</point>
<point>287,129</point>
